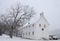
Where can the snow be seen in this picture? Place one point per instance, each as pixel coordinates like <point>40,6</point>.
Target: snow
<point>7,38</point>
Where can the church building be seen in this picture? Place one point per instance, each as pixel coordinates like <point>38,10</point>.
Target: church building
<point>38,30</point>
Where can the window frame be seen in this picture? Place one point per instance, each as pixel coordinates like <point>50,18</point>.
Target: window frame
<point>23,34</point>
<point>42,29</point>
<point>33,33</point>
<point>29,33</point>
<point>29,26</point>
<point>44,26</point>
<point>33,25</point>
<point>39,25</point>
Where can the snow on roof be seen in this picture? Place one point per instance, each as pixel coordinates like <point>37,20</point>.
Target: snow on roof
<point>32,20</point>
<point>35,19</point>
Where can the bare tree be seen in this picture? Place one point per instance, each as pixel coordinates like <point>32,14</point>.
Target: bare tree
<point>2,24</point>
<point>0,29</point>
<point>17,16</point>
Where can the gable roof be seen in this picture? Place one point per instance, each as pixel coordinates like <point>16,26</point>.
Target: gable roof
<point>34,20</point>
<point>46,20</point>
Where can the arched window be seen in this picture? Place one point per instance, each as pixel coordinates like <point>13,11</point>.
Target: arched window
<point>44,26</point>
<point>26,33</point>
<point>23,34</point>
<point>33,33</point>
<point>26,26</point>
<point>39,25</point>
<point>33,25</point>
<point>29,33</point>
<point>42,29</point>
<point>29,26</point>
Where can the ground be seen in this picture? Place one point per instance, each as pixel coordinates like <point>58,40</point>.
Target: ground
<point>7,38</point>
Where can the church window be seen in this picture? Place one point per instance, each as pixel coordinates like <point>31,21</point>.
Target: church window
<point>39,25</point>
<point>33,25</point>
<point>26,33</point>
<point>29,33</point>
<point>42,29</point>
<point>44,26</point>
<point>23,34</point>
<point>32,33</point>
<point>29,26</point>
<point>26,26</point>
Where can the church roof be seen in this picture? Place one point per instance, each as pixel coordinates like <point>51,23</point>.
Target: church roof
<point>34,20</point>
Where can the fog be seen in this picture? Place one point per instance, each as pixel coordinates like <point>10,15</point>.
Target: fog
<point>51,9</point>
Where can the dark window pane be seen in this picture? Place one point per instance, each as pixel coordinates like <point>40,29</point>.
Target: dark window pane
<point>26,33</point>
<point>42,29</point>
<point>29,33</point>
<point>39,25</point>
<point>32,33</point>
<point>23,34</point>
<point>26,26</point>
<point>29,26</point>
<point>33,25</point>
<point>44,26</point>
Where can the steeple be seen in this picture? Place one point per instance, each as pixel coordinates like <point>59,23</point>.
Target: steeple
<point>42,14</point>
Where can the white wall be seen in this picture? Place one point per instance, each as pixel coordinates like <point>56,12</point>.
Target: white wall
<point>27,30</point>
<point>38,33</point>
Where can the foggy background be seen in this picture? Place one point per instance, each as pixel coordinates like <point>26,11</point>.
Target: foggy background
<point>51,9</point>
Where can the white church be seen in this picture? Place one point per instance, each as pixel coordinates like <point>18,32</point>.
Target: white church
<point>38,30</point>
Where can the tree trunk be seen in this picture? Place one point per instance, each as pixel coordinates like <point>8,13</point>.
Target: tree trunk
<point>11,32</point>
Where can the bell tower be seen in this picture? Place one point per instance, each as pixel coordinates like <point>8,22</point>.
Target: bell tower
<point>42,14</point>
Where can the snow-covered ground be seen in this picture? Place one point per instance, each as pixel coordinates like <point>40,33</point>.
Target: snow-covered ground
<point>7,38</point>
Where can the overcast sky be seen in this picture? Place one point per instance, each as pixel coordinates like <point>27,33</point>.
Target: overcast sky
<point>51,9</point>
